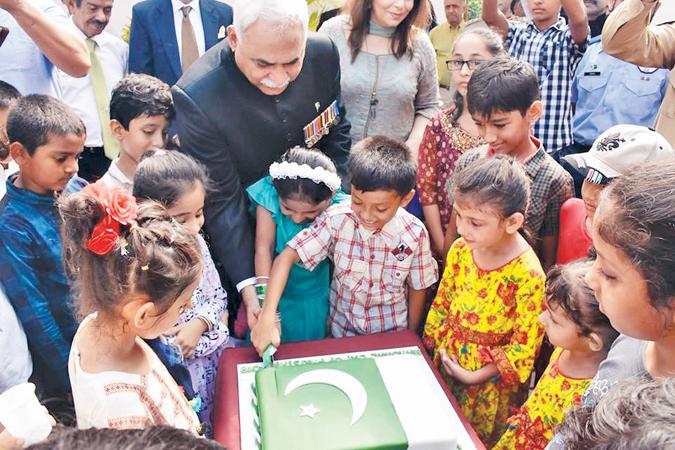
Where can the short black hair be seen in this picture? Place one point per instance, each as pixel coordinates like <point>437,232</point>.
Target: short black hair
<point>502,84</point>
<point>378,163</point>
<point>166,175</point>
<point>8,94</point>
<point>305,189</point>
<point>138,95</point>
<point>33,119</point>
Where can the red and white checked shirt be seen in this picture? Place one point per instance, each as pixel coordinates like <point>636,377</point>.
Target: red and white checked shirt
<point>372,269</point>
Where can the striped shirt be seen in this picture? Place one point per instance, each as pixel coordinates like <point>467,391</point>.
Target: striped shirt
<point>372,269</point>
<point>554,55</point>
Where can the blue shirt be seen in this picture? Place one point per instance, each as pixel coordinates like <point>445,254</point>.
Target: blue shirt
<point>609,91</point>
<point>35,281</point>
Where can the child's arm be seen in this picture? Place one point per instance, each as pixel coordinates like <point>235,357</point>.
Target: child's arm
<point>416,300</point>
<point>577,20</point>
<point>549,251</point>
<point>432,219</point>
<point>265,332</point>
<point>451,234</point>
<point>427,177</point>
<point>265,240</point>
<point>468,377</point>
<point>494,17</point>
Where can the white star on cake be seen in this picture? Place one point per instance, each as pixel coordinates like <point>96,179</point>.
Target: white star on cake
<point>308,411</point>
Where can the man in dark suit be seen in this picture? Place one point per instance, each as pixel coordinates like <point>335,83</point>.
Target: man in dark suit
<point>169,35</point>
<point>268,88</point>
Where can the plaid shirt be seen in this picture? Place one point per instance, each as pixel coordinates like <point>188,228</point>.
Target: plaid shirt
<point>35,282</point>
<point>554,56</point>
<point>551,186</point>
<point>372,269</point>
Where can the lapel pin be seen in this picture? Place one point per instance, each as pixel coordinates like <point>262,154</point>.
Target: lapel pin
<point>222,32</point>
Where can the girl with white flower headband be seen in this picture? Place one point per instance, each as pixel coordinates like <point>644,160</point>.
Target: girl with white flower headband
<point>299,188</point>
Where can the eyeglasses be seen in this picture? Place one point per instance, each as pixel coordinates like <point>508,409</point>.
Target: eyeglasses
<point>457,64</point>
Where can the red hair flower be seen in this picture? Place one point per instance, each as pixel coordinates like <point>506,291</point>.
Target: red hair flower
<point>119,208</point>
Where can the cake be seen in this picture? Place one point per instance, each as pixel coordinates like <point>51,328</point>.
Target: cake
<point>357,403</point>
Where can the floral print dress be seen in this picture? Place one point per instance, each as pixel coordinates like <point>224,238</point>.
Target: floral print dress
<point>533,426</point>
<point>443,143</point>
<point>488,317</point>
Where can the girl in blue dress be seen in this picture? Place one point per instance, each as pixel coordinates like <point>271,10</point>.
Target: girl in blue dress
<point>299,188</point>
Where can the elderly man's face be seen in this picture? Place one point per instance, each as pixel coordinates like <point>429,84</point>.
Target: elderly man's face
<point>454,11</point>
<point>91,16</point>
<point>270,60</point>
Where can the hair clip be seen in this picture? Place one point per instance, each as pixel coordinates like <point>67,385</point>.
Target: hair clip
<point>145,268</point>
<point>124,247</point>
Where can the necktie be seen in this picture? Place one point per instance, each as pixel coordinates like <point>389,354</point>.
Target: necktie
<point>188,40</point>
<point>102,97</point>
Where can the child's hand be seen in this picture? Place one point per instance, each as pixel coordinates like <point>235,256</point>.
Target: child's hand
<point>188,334</point>
<point>453,369</point>
<point>252,315</point>
<point>264,333</point>
<point>225,318</point>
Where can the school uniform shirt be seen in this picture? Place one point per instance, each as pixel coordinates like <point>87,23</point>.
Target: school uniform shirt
<point>34,278</point>
<point>78,93</point>
<point>115,178</point>
<point>372,268</point>
<point>554,55</point>
<point>550,187</point>
<point>608,91</point>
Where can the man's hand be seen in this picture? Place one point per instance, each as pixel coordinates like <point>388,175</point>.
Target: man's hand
<point>188,334</point>
<point>264,333</point>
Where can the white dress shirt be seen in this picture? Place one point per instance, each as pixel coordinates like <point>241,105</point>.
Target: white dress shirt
<point>78,93</point>
<point>196,20</point>
<point>22,63</point>
<point>115,178</point>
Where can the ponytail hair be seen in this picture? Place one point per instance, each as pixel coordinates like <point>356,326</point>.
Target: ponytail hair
<point>153,256</point>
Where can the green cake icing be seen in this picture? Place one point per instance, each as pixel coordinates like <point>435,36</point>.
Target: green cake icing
<point>315,415</point>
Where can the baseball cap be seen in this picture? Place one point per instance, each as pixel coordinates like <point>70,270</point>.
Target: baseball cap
<point>619,150</point>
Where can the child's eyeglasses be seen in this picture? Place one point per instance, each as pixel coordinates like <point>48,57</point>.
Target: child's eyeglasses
<point>457,64</point>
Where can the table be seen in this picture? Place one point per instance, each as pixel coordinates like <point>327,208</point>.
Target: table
<point>226,408</point>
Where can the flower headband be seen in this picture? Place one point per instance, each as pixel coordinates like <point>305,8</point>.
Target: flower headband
<point>294,171</point>
<point>119,208</point>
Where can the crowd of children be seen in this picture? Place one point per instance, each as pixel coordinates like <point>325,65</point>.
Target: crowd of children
<point>126,317</point>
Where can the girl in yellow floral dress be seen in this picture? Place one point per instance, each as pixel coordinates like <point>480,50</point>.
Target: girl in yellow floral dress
<point>582,336</point>
<point>483,325</point>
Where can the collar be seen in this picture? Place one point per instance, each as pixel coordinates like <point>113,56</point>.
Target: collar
<point>458,27</point>
<point>558,25</point>
<point>115,173</point>
<point>27,196</point>
<point>390,232</point>
<point>176,5</point>
<point>595,40</point>
<point>99,38</point>
<point>535,161</point>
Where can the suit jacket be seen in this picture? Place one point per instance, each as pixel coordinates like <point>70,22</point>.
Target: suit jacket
<point>628,36</point>
<point>153,48</point>
<point>236,131</point>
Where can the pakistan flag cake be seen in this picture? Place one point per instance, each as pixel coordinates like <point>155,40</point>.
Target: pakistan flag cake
<point>352,404</point>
